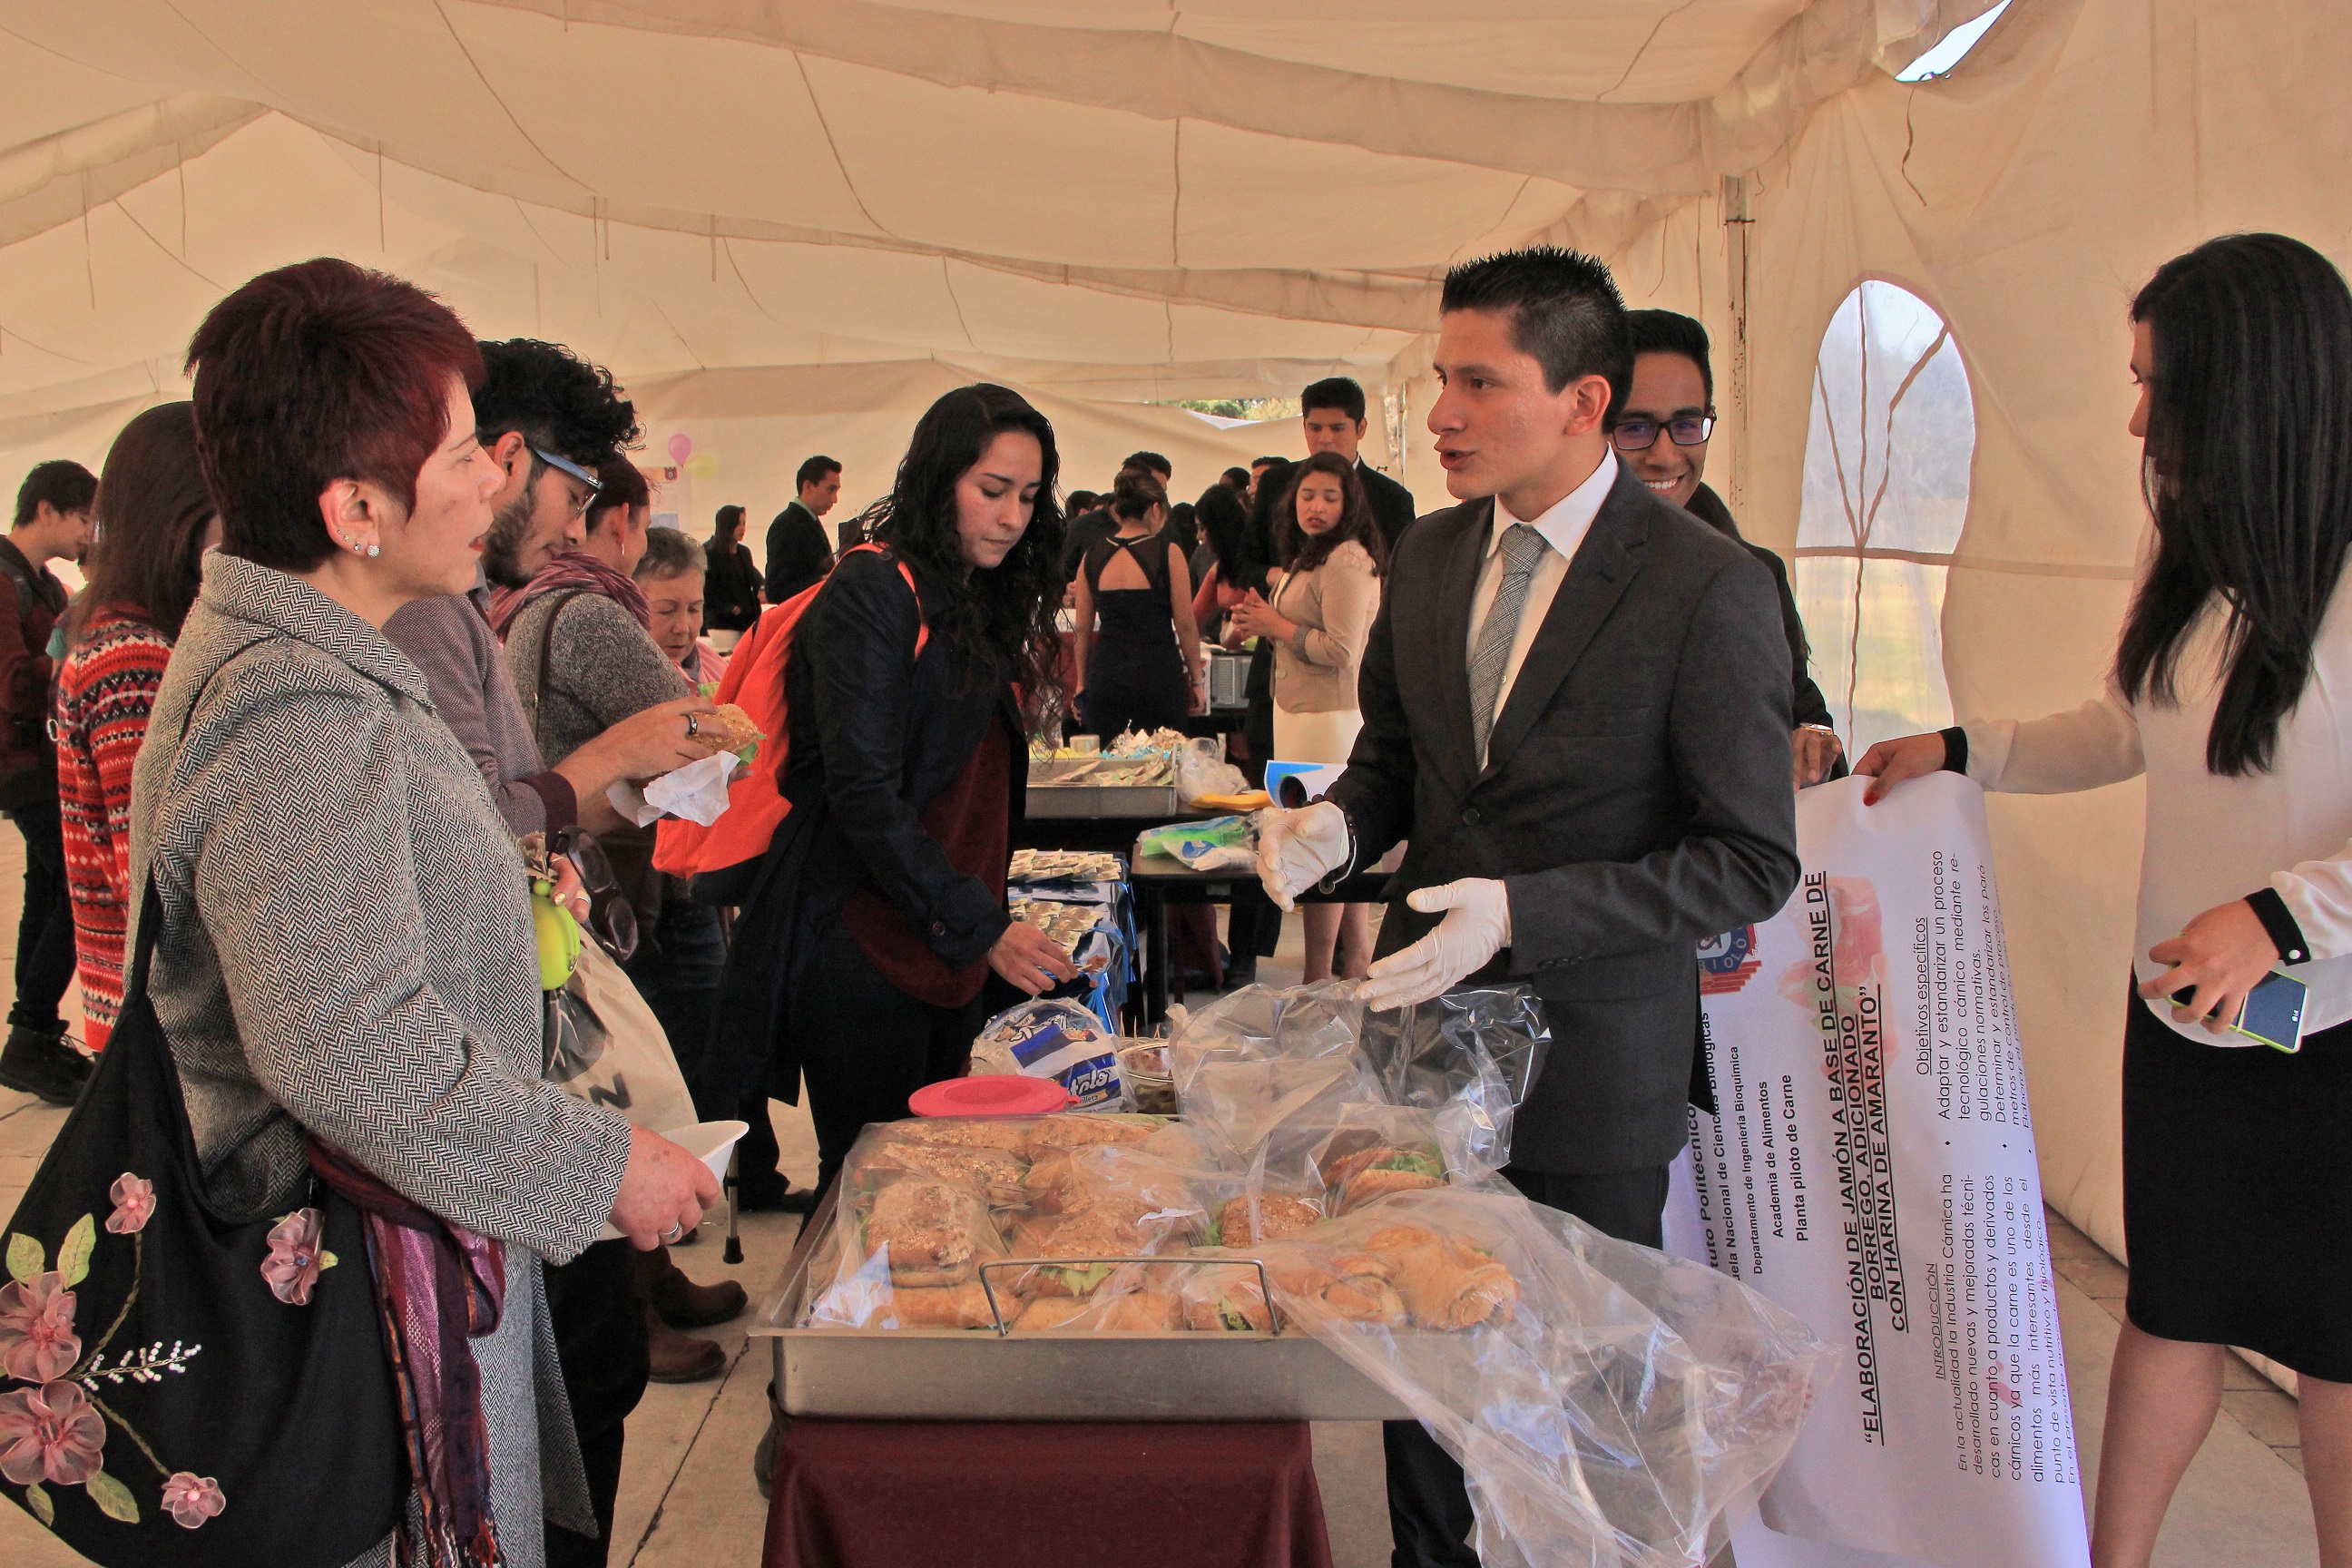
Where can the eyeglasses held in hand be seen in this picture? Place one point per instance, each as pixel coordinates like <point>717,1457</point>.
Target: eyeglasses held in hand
<point>611,919</point>
<point>1635,434</point>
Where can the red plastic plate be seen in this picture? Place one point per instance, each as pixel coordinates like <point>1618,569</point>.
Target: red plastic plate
<point>990,1094</point>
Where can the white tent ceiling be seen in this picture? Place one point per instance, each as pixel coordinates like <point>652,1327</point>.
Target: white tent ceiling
<point>1131,199</point>
<point>787,224</point>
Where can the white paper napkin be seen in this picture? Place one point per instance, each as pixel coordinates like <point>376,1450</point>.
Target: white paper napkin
<point>696,792</point>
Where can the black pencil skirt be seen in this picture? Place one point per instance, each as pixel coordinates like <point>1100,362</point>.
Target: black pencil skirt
<point>2238,1193</point>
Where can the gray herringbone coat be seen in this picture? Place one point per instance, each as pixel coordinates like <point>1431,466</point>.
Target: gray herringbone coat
<point>347,947</point>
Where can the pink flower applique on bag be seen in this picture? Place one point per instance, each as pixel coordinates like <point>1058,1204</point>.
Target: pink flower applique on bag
<point>53,1431</point>
<point>296,1258</point>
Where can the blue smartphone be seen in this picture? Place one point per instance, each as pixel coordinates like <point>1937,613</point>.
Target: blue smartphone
<point>2273,1013</point>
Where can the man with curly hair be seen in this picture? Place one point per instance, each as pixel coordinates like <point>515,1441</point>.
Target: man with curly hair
<point>550,420</point>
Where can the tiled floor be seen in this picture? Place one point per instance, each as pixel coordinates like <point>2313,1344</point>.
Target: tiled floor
<point>687,1499</point>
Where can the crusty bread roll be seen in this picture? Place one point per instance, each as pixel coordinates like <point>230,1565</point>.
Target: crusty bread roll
<point>931,1231</point>
<point>731,729</point>
<point>943,1307</point>
<point>1246,1221</point>
<point>1445,1283</point>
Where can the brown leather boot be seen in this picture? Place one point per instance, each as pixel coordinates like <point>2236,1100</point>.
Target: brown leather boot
<point>680,1358</point>
<point>678,1301</point>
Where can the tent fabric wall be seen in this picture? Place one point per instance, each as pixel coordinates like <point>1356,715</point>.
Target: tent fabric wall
<point>787,226</point>
<point>2027,198</point>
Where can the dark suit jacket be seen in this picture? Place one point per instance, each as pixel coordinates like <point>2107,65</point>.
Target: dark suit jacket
<point>1805,701</point>
<point>797,552</point>
<point>1392,506</point>
<point>1635,800</point>
<point>1085,529</point>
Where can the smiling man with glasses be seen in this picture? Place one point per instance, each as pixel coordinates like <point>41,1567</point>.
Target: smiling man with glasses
<point>1661,434</point>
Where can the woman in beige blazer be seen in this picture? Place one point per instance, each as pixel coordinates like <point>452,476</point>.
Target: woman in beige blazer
<point>1320,618</point>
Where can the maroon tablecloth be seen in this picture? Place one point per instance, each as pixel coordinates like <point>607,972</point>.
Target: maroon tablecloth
<point>942,1494</point>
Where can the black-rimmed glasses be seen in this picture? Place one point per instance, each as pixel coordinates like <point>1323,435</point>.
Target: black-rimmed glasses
<point>1637,434</point>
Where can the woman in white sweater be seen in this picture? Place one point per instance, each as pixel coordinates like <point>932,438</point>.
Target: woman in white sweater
<point>2232,692</point>
<point>1324,603</point>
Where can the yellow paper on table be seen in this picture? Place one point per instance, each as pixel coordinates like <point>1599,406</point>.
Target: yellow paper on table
<point>1247,800</point>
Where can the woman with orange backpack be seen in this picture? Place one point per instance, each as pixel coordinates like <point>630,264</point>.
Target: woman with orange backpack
<point>876,915</point>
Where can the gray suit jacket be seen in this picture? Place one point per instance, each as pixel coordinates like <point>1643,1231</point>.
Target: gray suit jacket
<point>1634,801</point>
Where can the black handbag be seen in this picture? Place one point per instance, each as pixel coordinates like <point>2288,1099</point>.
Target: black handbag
<point>178,1385</point>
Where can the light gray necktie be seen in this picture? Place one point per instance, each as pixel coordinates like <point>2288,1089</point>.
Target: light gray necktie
<point>1522,548</point>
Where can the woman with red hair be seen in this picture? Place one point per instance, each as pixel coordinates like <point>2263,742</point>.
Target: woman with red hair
<point>345,969</point>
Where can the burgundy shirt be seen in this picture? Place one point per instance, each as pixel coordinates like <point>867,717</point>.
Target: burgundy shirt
<point>972,821</point>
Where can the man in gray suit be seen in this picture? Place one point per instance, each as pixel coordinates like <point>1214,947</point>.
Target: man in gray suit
<point>1587,745</point>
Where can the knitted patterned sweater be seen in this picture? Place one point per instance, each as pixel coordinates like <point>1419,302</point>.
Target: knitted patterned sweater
<point>105,687</point>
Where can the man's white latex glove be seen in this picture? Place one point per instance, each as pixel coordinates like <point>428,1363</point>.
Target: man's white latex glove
<point>1478,926</point>
<point>1297,849</point>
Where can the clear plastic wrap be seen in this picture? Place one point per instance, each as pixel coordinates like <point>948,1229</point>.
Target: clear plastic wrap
<point>1607,1403</point>
<point>925,1205</point>
<point>1261,1060</point>
<point>1471,1055</point>
<point>906,1251</point>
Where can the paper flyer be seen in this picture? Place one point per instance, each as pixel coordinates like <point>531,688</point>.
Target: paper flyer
<point>1872,1170</point>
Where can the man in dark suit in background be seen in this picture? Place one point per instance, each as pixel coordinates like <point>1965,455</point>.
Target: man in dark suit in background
<point>1661,432</point>
<point>1333,412</point>
<point>1576,708</point>
<point>798,554</point>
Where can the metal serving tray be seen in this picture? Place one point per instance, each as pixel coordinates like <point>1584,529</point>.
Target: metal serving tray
<point>950,1374</point>
<point>1058,801</point>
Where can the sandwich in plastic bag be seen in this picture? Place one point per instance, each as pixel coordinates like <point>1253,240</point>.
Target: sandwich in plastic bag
<point>1608,1402</point>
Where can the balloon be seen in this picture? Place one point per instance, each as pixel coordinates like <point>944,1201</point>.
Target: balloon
<point>703,465</point>
<point>680,446</point>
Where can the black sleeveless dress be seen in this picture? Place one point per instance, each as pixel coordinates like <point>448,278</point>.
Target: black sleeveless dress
<point>1135,672</point>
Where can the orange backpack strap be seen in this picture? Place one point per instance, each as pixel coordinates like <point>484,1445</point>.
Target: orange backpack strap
<point>922,627</point>
<point>756,803</point>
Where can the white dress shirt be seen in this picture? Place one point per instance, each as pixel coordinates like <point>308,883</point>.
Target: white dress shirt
<point>1563,526</point>
<point>2213,839</point>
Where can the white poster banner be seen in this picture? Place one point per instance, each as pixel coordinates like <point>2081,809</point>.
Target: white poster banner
<point>1872,1169</point>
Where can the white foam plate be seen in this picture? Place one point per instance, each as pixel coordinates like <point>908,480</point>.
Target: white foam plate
<point>710,1142</point>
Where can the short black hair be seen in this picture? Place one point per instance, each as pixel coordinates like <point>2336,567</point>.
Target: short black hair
<point>813,472</point>
<point>1153,461</point>
<point>1564,310</point>
<point>1237,478</point>
<point>1082,501</point>
<point>1340,392</point>
<point>555,399</point>
<point>1257,463</point>
<point>62,482</point>
<point>1672,332</point>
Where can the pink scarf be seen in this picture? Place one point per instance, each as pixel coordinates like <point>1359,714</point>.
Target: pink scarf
<point>439,1286</point>
<point>574,572</point>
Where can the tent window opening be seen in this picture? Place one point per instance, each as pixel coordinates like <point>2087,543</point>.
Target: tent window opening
<point>1887,454</point>
<point>1943,56</point>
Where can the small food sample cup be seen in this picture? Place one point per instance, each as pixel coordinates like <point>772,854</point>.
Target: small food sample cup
<point>1149,1078</point>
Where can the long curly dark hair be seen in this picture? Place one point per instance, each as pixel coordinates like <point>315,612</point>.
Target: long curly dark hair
<point>999,620</point>
<point>1304,552</point>
<point>2247,473</point>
